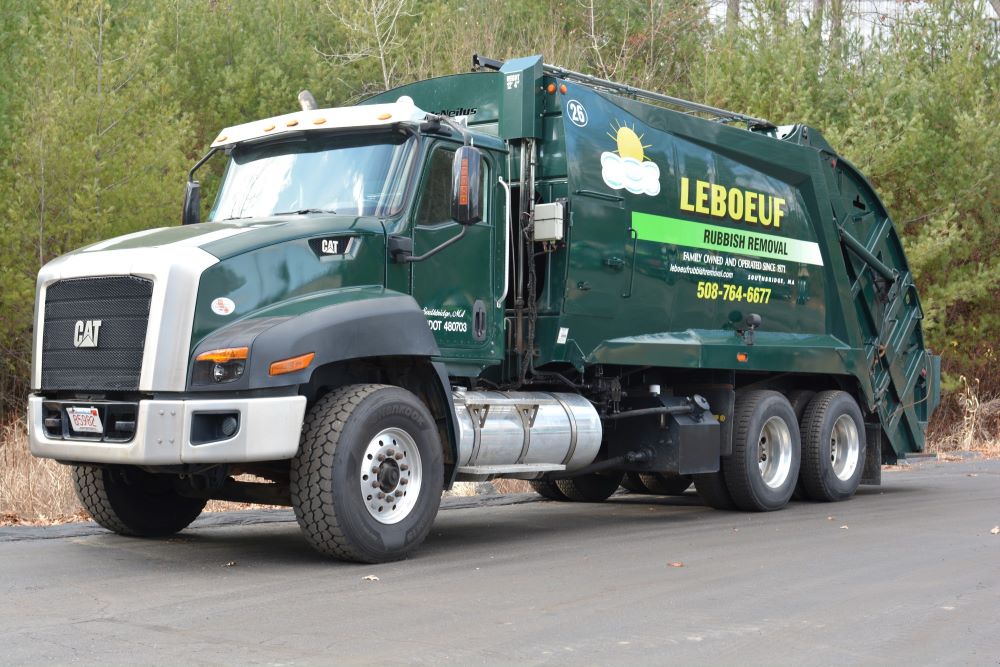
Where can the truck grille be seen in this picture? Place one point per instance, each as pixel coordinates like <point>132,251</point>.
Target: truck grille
<point>121,303</point>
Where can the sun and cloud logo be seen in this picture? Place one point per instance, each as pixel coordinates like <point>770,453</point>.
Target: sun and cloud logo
<point>628,166</point>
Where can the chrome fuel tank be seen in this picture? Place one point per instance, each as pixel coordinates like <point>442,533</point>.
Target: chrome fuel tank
<point>526,428</point>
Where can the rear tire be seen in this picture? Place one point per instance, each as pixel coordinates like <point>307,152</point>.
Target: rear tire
<point>712,489</point>
<point>665,485</point>
<point>366,482</point>
<point>763,469</point>
<point>592,488</point>
<point>833,447</point>
<point>800,398</point>
<point>547,489</point>
<point>633,484</point>
<point>132,502</point>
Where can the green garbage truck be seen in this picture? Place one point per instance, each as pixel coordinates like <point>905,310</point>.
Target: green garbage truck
<point>515,272</point>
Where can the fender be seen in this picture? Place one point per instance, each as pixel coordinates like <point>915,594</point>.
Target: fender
<point>354,324</point>
<point>350,324</point>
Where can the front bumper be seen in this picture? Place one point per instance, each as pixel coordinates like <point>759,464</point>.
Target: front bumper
<point>269,430</point>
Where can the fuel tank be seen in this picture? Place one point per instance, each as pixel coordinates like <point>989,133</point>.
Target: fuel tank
<point>526,429</point>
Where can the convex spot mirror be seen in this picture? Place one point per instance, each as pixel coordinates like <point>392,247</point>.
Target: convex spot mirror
<point>192,204</point>
<point>466,186</point>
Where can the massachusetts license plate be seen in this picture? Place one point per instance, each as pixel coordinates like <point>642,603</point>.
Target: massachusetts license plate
<point>85,420</point>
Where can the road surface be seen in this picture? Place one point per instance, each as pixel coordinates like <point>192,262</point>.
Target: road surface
<point>905,574</point>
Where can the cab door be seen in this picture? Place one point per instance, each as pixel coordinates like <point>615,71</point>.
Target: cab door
<point>458,288</point>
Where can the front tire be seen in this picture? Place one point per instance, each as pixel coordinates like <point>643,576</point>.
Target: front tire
<point>762,471</point>
<point>833,447</point>
<point>132,502</point>
<point>366,482</point>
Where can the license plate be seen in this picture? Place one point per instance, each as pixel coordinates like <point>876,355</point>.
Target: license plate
<point>85,420</point>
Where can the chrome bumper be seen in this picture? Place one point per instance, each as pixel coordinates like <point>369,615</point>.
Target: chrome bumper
<point>269,430</point>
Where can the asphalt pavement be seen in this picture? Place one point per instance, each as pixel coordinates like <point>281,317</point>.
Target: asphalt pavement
<point>907,573</point>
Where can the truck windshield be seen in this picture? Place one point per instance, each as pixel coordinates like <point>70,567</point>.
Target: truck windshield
<point>357,174</point>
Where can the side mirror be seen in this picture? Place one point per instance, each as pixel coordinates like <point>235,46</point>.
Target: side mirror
<point>466,186</point>
<point>192,204</point>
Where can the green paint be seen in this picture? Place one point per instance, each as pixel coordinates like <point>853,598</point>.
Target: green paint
<point>663,229</point>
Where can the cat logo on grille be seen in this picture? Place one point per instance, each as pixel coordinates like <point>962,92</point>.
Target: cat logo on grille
<point>85,333</point>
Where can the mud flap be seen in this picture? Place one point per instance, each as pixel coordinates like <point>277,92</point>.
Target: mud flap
<point>872,474</point>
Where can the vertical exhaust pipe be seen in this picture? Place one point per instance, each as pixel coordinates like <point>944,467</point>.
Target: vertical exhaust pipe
<point>307,101</point>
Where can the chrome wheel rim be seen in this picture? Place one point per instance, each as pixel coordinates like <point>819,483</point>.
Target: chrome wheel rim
<point>845,447</point>
<point>774,452</point>
<point>390,475</point>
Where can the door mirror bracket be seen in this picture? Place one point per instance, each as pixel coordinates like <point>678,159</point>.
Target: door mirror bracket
<point>191,213</point>
<point>402,251</point>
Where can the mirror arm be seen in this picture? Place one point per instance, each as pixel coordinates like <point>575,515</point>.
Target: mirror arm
<point>462,131</point>
<point>404,258</point>
<point>197,165</point>
<point>192,197</point>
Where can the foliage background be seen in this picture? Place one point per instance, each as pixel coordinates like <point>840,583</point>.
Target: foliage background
<point>104,104</point>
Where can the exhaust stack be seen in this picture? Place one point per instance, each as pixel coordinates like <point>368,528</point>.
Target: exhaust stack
<point>307,101</point>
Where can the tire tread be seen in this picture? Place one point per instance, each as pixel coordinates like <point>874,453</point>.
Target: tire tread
<point>811,474</point>
<point>320,437</point>
<point>737,473</point>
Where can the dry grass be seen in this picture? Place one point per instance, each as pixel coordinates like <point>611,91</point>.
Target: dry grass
<point>974,427</point>
<point>33,490</point>
<point>511,486</point>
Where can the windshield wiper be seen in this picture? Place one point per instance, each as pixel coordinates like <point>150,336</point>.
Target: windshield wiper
<point>306,211</point>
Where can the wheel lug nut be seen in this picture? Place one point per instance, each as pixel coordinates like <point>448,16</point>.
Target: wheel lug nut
<point>399,456</point>
<point>375,484</point>
<point>381,457</point>
<point>398,494</point>
<point>404,481</point>
<point>391,452</point>
<point>403,466</point>
<point>381,495</point>
<point>374,470</point>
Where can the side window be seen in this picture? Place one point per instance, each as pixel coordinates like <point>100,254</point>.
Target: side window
<point>435,201</point>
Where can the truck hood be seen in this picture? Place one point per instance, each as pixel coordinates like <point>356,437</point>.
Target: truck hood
<point>228,239</point>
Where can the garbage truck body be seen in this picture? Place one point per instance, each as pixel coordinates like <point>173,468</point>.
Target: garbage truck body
<point>519,272</point>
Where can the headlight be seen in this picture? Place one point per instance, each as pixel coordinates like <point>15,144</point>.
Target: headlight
<point>219,366</point>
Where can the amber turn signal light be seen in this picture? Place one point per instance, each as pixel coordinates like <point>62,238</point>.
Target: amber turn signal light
<point>291,365</point>
<point>741,357</point>
<point>224,355</point>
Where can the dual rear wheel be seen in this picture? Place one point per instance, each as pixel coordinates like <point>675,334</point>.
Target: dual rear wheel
<point>821,450</point>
